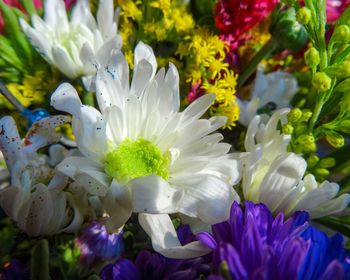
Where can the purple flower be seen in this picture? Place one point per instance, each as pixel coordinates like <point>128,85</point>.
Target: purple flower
<point>96,244</point>
<point>150,266</point>
<point>254,245</point>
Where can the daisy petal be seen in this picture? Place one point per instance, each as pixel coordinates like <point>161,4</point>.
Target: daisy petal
<point>164,238</point>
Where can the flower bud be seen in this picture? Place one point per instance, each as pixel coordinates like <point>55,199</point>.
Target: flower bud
<point>335,139</point>
<point>341,34</point>
<point>289,33</point>
<point>306,116</point>
<point>344,126</point>
<point>300,128</point>
<point>340,71</point>
<point>312,57</point>
<point>327,162</point>
<point>321,81</point>
<point>287,129</point>
<point>306,139</point>
<point>312,160</point>
<point>303,15</point>
<point>321,172</point>
<point>294,115</point>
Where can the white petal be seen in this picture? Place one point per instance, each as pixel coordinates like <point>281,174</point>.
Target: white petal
<point>65,98</point>
<point>78,218</point>
<point>42,132</point>
<point>64,62</point>
<point>87,173</point>
<point>145,52</point>
<point>152,194</point>
<point>198,107</point>
<point>118,205</point>
<point>331,207</point>
<point>143,73</point>
<point>105,14</point>
<point>10,142</point>
<point>164,238</point>
<point>210,200</point>
<point>81,15</point>
<point>172,81</point>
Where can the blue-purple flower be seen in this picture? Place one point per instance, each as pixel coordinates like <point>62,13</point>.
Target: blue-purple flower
<point>96,244</point>
<point>254,245</point>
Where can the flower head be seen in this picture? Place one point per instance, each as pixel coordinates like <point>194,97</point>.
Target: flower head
<point>236,17</point>
<point>97,244</point>
<point>36,199</point>
<point>254,245</point>
<point>276,89</point>
<point>276,177</point>
<point>74,46</point>
<point>142,155</point>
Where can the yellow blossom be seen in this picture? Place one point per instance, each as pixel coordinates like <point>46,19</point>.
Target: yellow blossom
<point>231,112</point>
<point>193,74</point>
<point>129,9</point>
<point>183,49</point>
<point>216,67</point>
<point>163,5</point>
<point>129,56</point>
<point>182,20</point>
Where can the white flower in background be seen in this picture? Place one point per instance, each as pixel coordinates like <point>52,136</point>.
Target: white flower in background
<point>35,198</point>
<point>142,155</point>
<point>275,177</point>
<point>76,46</point>
<point>275,89</point>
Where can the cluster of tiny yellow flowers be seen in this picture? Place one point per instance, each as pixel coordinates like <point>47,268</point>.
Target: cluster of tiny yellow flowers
<point>206,65</point>
<point>33,89</point>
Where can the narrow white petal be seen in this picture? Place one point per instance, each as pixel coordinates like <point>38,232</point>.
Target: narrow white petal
<point>164,238</point>
<point>331,207</point>
<point>145,52</point>
<point>105,14</point>
<point>65,98</point>
<point>64,62</point>
<point>198,107</point>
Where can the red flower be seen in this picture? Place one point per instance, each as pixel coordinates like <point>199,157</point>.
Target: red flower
<point>235,17</point>
<point>335,8</point>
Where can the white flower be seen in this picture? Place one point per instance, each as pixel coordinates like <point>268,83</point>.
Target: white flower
<point>35,198</point>
<point>142,155</point>
<point>75,45</point>
<point>276,89</point>
<point>275,177</point>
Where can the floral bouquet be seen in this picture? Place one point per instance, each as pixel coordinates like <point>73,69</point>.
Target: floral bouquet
<point>175,139</point>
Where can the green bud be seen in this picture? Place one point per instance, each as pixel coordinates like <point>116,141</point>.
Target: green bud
<point>321,172</point>
<point>327,162</point>
<point>344,126</point>
<point>321,81</point>
<point>335,139</point>
<point>307,142</point>
<point>312,57</point>
<point>312,160</point>
<point>287,129</point>
<point>303,15</point>
<point>340,71</point>
<point>224,270</point>
<point>289,33</point>
<point>294,115</point>
<point>343,86</point>
<point>307,114</point>
<point>341,34</point>
<point>300,128</point>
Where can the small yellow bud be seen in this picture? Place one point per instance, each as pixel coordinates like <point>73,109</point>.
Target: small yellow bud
<point>287,129</point>
<point>306,116</point>
<point>327,162</point>
<point>307,142</point>
<point>321,172</point>
<point>303,15</point>
<point>294,115</point>
<point>312,160</point>
<point>312,57</point>
<point>341,34</point>
<point>335,139</point>
<point>321,81</point>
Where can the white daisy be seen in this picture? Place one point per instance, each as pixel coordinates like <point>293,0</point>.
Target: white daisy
<point>275,177</point>
<point>142,155</point>
<point>275,89</point>
<point>35,198</point>
<point>74,46</point>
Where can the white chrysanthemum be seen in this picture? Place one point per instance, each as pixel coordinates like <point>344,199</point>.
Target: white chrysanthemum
<point>35,198</point>
<point>75,45</point>
<point>275,177</point>
<point>142,155</point>
<point>276,89</point>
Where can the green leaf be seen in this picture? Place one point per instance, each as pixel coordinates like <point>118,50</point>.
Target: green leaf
<point>28,6</point>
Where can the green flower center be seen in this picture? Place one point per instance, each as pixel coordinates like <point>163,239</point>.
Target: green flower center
<point>134,159</point>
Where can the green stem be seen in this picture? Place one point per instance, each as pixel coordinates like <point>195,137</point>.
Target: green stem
<point>315,114</point>
<point>270,46</point>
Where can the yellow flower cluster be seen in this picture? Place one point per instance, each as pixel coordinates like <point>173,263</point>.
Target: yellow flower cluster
<point>33,89</point>
<point>208,67</point>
